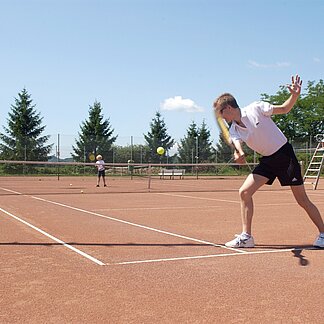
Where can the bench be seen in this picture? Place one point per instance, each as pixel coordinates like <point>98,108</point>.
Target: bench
<point>172,173</point>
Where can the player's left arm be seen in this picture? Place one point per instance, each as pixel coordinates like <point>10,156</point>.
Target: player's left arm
<point>294,89</point>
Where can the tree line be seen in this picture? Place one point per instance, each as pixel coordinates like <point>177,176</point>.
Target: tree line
<point>23,137</point>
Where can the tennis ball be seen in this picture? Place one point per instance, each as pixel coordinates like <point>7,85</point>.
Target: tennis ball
<point>81,191</point>
<point>70,184</point>
<point>160,150</point>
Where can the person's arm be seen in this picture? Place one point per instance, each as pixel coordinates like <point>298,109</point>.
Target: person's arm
<point>239,155</point>
<point>294,89</point>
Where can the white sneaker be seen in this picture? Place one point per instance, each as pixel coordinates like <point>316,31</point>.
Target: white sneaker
<point>241,242</point>
<point>319,242</point>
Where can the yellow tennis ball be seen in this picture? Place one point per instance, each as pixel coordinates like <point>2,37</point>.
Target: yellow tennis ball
<point>160,150</point>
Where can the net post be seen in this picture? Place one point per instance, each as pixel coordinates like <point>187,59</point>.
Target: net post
<point>149,177</point>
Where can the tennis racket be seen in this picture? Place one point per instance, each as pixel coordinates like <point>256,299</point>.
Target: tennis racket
<point>223,127</point>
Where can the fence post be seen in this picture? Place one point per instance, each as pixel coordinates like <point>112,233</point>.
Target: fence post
<point>302,168</point>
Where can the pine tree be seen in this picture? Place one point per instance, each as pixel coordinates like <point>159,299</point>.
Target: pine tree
<point>188,145</point>
<point>205,149</point>
<point>22,139</point>
<point>196,145</point>
<point>156,137</point>
<point>95,137</point>
<point>224,153</point>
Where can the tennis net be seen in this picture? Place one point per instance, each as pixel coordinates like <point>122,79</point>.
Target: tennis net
<point>130,176</point>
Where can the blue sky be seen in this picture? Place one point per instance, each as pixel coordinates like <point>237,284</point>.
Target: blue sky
<point>137,57</point>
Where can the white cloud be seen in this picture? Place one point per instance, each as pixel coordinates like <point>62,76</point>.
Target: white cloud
<point>266,66</point>
<point>178,103</point>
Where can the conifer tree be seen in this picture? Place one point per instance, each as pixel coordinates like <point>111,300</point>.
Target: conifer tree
<point>224,153</point>
<point>22,139</point>
<point>156,137</point>
<point>205,149</point>
<point>188,145</point>
<point>196,145</point>
<point>95,137</point>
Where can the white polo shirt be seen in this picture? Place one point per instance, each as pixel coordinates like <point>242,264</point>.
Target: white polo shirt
<point>260,133</point>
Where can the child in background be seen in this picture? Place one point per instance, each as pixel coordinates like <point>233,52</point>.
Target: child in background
<point>100,164</point>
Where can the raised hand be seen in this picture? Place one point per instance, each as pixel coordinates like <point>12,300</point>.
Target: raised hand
<point>295,86</point>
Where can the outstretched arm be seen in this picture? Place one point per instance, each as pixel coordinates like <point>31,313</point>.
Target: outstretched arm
<point>294,89</point>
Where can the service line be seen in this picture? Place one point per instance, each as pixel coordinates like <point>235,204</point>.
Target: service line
<point>211,256</point>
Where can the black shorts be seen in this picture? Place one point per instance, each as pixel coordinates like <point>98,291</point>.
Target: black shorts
<point>283,165</point>
<point>101,173</point>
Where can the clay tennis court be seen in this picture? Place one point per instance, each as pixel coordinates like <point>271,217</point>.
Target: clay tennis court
<point>74,253</point>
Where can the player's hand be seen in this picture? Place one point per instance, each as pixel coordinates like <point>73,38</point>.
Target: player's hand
<point>239,158</point>
<point>295,86</point>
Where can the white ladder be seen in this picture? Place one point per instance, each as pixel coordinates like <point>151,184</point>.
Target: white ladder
<point>313,171</point>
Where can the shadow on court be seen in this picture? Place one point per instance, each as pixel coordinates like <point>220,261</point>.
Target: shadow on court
<point>302,260</point>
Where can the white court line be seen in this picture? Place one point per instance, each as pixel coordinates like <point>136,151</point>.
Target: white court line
<point>54,238</point>
<point>155,208</point>
<point>133,224</point>
<point>194,197</point>
<point>293,203</point>
<point>210,256</point>
<point>192,207</point>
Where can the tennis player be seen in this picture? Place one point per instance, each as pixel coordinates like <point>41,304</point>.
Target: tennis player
<point>254,126</point>
<point>100,164</point>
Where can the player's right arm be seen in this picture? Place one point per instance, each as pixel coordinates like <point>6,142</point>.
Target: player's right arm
<point>239,155</point>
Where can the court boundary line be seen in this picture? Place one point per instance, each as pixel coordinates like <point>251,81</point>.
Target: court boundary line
<point>210,256</point>
<point>87,256</point>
